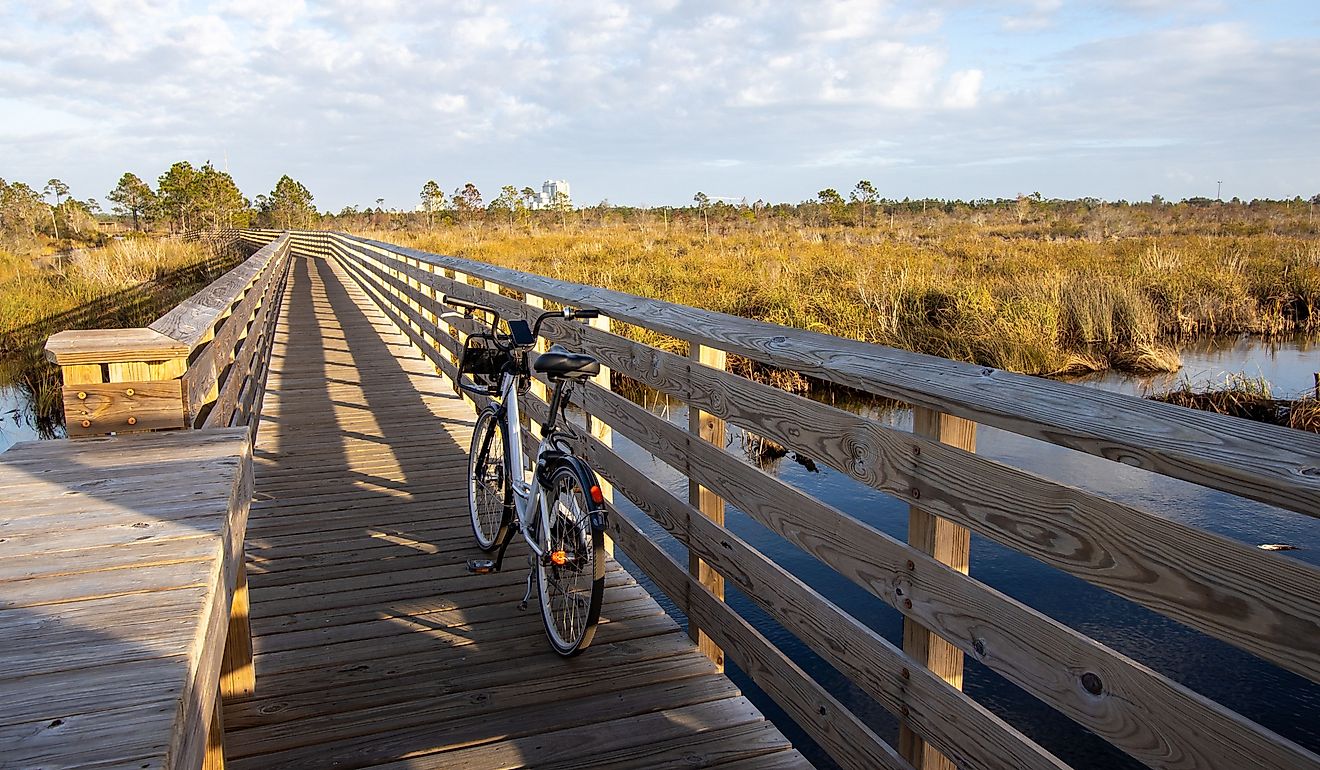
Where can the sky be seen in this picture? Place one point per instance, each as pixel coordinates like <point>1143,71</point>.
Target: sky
<point>649,102</point>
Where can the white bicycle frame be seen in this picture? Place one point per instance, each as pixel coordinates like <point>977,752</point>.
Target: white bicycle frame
<point>526,496</point>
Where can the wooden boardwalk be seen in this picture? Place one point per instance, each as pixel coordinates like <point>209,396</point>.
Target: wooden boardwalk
<point>374,647</point>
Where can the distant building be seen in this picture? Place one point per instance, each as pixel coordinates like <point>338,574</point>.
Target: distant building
<point>550,189</point>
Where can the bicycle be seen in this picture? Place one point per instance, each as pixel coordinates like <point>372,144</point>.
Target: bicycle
<point>561,513</point>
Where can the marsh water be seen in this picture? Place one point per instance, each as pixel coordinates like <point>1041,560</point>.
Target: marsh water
<point>1279,700</point>
<point>17,423</point>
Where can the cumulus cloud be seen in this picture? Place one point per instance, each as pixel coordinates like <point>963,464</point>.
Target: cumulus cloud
<point>631,100</point>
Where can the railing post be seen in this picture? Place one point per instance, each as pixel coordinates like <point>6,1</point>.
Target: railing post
<point>458,334</point>
<point>416,285</point>
<point>429,311</point>
<point>706,427</point>
<point>599,428</point>
<point>120,380</point>
<point>538,388</point>
<point>238,675</point>
<point>949,543</point>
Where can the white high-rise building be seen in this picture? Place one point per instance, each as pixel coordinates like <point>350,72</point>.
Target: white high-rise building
<point>550,190</point>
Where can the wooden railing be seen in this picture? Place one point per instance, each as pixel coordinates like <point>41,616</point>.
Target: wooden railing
<point>202,364</point>
<point>1264,603</point>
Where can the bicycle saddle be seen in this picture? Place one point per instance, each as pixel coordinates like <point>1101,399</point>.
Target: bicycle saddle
<point>559,362</point>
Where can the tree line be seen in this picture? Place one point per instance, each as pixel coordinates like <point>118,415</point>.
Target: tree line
<point>188,198</point>
<point>191,198</point>
<point>185,198</point>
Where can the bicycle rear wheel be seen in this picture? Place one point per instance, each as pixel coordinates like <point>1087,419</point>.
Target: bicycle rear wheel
<point>490,494</point>
<point>572,579</point>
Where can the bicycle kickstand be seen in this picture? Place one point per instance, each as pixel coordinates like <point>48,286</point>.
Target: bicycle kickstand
<point>522,605</point>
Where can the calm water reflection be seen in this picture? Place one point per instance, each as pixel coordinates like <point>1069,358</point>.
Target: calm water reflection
<point>16,420</point>
<point>1277,699</point>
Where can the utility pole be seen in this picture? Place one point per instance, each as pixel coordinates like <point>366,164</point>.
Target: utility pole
<point>1219,189</point>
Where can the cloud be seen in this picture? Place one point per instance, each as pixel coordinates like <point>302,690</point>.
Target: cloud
<point>1038,15</point>
<point>963,89</point>
<point>362,98</point>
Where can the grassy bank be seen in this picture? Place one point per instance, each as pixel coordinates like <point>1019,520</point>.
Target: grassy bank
<point>1250,398</point>
<point>126,283</point>
<point>997,298</point>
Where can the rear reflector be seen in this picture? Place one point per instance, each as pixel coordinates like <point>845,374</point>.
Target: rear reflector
<point>597,496</point>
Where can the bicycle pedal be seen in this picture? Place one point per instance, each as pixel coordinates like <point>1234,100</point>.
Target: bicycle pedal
<point>480,566</point>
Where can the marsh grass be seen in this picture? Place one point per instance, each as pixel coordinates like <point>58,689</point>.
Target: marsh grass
<point>1251,398</point>
<point>125,284</point>
<point>988,296</point>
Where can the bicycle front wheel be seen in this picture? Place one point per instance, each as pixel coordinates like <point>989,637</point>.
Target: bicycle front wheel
<point>490,493</point>
<point>572,576</point>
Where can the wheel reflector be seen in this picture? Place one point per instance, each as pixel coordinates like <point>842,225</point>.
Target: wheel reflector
<point>559,557</point>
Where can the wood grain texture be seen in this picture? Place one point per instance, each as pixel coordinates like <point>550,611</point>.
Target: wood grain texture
<point>112,657</point>
<point>706,427</point>
<point>1265,603</point>
<point>238,676</point>
<point>1262,462</point>
<point>93,409</point>
<point>846,738</point>
<point>373,645</point>
<point>962,728</point>
<point>195,318</point>
<point>253,325</point>
<point>948,543</point>
<point>96,346</point>
<point>219,369</point>
<point>1151,717</point>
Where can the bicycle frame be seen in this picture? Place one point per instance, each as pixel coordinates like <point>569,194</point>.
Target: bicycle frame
<point>527,497</point>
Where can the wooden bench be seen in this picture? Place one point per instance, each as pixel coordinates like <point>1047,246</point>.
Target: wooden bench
<point>123,607</point>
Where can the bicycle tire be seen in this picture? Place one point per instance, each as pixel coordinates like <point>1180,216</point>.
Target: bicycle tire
<point>571,592</point>
<point>490,495</point>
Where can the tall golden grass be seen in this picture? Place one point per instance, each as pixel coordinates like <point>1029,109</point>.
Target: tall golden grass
<point>126,283</point>
<point>1026,304</point>
<point>31,290</point>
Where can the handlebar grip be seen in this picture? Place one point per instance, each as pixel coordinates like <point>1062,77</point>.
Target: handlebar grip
<point>586,313</point>
<point>456,302</point>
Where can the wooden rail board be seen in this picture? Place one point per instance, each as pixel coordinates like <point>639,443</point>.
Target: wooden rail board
<point>373,644</point>
<point>110,647</point>
<point>1262,462</point>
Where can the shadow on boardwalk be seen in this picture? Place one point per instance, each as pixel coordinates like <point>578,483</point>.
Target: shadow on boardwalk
<point>374,645</point>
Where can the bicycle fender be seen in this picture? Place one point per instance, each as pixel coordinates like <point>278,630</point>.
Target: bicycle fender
<point>587,478</point>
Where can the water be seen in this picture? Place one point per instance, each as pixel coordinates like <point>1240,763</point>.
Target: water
<point>1288,364</point>
<point>1277,699</point>
<point>17,422</point>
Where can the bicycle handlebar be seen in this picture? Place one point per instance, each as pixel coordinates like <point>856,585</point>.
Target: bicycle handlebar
<point>567,313</point>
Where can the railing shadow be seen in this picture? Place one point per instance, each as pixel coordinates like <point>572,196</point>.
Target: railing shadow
<point>361,605</point>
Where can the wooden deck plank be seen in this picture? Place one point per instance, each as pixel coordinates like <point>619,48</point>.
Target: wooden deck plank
<point>655,739</point>
<point>373,644</point>
<point>118,564</point>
